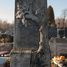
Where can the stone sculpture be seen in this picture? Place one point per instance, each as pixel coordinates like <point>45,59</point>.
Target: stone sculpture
<point>30,40</point>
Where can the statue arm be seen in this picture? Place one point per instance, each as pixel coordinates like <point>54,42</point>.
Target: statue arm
<point>31,16</point>
<point>39,49</point>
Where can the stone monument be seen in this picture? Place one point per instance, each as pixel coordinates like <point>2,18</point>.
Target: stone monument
<point>31,47</point>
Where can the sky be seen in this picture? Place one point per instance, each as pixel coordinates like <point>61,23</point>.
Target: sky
<point>7,8</point>
<point>58,6</point>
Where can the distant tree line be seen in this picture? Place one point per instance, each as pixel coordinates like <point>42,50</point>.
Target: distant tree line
<point>5,26</point>
<point>6,32</point>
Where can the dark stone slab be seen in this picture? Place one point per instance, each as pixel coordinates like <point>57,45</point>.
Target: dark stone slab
<point>20,60</point>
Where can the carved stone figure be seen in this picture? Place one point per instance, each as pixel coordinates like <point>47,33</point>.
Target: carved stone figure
<point>30,40</point>
<point>27,25</point>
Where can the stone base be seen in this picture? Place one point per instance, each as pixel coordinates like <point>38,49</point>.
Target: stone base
<point>20,59</point>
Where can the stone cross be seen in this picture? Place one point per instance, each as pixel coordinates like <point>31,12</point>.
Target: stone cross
<point>31,47</point>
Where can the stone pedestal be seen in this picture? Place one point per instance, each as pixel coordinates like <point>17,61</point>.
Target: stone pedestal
<point>20,58</point>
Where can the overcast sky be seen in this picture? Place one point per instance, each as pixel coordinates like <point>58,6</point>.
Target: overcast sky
<point>7,8</point>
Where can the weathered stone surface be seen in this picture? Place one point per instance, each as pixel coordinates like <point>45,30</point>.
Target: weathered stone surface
<point>26,37</point>
<point>27,28</point>
<point>29,15</point>
<point>30,33</point>
<point>20,60</point>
